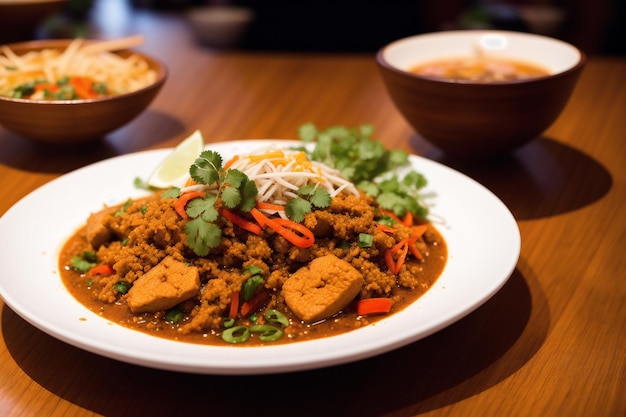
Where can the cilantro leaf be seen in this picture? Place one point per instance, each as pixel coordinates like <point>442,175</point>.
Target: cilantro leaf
<point>369,187</point>
<point>415,179</point>
<point>203,208</point>
<point>235,178</point>
<point>398,158</point>
<point>173,192</point>
<point>249,192</point>
<point>307,190</point>
<point>206,167</point>
<point>307,132</point>
<point>393,202</point>
<point>202,236</point>
<point>296,209</point>
<point>321,198</point>
<point>312,195</point>
<point>364,161</point>
<point>231,197</point>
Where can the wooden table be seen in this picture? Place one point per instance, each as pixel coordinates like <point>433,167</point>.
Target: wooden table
<point>552,342</point>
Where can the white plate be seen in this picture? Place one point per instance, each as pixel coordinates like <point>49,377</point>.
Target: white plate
<point>483,244</point>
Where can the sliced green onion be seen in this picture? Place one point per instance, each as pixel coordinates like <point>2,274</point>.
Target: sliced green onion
<point>237,334</point>
<point>174,315</point>
<point>90,256</point>
<point>122,287</point>
<point>249,287</point>
<point>100,88</point>
<point>365,240</point>
<point>344,244</point>
<point>274,316</point>
<point>122,209</point>
<point>386,220</point>
<point>252,270</point>
<point>80,264</point>
<point>267,333</point>
<point>228,322</point>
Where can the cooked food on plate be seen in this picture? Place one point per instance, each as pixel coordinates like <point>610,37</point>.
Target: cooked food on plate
<point>277,245</point>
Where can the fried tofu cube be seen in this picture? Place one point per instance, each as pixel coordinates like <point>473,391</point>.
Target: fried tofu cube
<point>167,284</point>
<point>322,288</point>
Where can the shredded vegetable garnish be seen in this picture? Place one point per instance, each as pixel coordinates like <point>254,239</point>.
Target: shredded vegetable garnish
<point>275,188</point>
<point>80,71</point>
<point>280,173</point>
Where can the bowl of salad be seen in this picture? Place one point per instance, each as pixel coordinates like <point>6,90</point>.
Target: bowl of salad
<point>75,90</point>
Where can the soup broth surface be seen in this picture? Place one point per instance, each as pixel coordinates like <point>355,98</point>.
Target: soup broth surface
<point>480,69</point>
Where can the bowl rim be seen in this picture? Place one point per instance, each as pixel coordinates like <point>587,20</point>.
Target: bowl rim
<point>384,63</point>
<point>162,72</point>
<point>29,3</point>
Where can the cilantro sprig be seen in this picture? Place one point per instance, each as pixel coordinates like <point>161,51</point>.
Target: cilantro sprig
<point>365,161</point>
<point>310,196</point>
<point>235,191</point>
<point>234,187</point>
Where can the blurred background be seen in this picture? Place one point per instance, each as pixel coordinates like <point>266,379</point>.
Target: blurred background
<point>595,26</point>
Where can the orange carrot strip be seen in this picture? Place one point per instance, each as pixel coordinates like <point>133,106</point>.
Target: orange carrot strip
<point>418,231</point>
<point>240,221</point>
<point>183,199</point>
<point>391,264</point>
<point>231,161</point>
<point>392,215</point>
<point>408,219</point>
<point>260,218</point>
<point>294,232</point>
<point>268,155</point>
<point>46,86</point>
<point>395,248</point>
<point>234,305</point>
<point>254,303</point>
<point>103,269</point>
<point>402,257</point>
<point>386,229</point>
<point>373,306</point>
<point>269,206</point>
<point>82,87</point>
<point>414,251</point>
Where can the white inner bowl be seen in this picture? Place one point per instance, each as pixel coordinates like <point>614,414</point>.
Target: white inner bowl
<point>554,55</point>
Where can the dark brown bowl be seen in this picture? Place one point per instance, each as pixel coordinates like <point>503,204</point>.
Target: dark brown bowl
<point>19,19</point>
<point>471,119</point>
<point>74,121</point>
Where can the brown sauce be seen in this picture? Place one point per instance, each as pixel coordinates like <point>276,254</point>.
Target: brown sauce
<point>134,252</point>
<point>480,69</point>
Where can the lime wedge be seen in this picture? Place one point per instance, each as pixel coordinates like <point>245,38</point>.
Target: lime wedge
<point>174,169</point>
